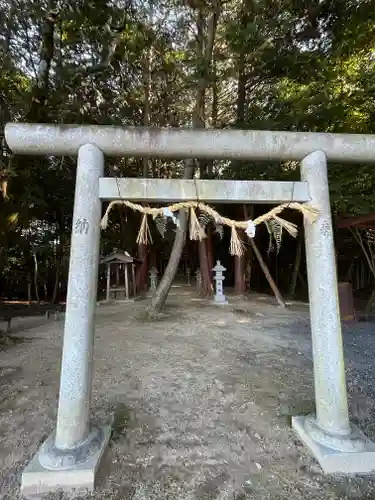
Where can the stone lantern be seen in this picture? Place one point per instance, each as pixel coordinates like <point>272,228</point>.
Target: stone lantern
<point>198,277</point>
<point>188,273</point>
<point>219,278</point>
<point>153,280</point>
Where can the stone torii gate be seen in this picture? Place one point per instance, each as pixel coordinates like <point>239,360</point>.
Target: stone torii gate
<point>70,457</point>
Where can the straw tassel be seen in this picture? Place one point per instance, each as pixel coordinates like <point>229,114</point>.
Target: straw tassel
<point>236,245</point>
<point>309,212</point>
<point>144,235</point>
<point>104,221</point>
<point>196,231</point>
<point>288,226</point>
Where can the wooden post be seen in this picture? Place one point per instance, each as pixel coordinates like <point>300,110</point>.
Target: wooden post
<point>265,269</point>
<point>117,274</point>
<point>133,280</point>
<point>108,280</point>
<point>126,282</point>
<point>267,274</point>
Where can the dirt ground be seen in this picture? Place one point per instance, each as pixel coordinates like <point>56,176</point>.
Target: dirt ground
<point>202,400</point>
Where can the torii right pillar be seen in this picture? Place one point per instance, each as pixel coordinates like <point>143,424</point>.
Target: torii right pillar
<point>338,445</point>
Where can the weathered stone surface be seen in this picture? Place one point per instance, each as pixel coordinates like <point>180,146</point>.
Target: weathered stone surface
<point>171,190</point>
<point>75,384</point>
<point>79,477</point>
<point>337,461</point>
<point>219,278</point>
<point>329,370</point>
<point>26,138</point>
<point>338,446</point>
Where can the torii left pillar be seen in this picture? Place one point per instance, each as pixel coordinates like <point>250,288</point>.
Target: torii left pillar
<point>69,458</point>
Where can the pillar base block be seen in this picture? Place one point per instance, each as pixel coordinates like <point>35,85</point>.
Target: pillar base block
<point>360,460</point>
<point>68,471</point>
<point>219,300</point>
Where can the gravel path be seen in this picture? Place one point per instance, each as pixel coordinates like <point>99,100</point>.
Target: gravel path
<point>202,400</point>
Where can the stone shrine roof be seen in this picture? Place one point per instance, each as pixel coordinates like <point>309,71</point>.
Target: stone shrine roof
<point>119,257</point>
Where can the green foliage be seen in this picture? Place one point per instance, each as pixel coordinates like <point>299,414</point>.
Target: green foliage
<point>277,65</point>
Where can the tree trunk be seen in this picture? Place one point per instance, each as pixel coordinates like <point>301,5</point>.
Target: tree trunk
<point>178,246</point>
<point>370,306</point>
<point>249,261</point>
<point>248,271</point>
<point>205,265</point>
<point>141,278</point>
<point>205,269</point>
<point>267,274</point>
<point>36,278</point>
<point>239,275</point>
<point>302,280</point>
<point>147,80</point>
<point>204,56</point>
<point>40,91</point>
<point>2,254</point>
<point>297,264</point>
<point>210,259</point>
<point>204,166</point>
<point>241,91</point>
<point>239,261</point>
<point>124,231</point>
<point>239,269</point>
<point>59,255</point>
<point>29,297</point>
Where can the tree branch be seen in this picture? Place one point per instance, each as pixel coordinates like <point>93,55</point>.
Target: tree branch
<point>107,56</point>
<point>40,90</point>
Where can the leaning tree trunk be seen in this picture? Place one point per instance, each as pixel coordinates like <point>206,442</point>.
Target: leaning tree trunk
<point>267,274</point>
<point>177,249</point>
<point>204,53</point>
<point>265,269</point>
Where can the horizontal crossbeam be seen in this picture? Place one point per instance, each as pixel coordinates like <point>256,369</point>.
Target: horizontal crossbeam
<point>362,221</point>
<point>35,139</point>
<point>173,190</point>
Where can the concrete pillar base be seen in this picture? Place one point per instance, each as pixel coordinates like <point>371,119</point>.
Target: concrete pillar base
<point>52,469</point>
<point>352,454</point>
<point>219,300</point>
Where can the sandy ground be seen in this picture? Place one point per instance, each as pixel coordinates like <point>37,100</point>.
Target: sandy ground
<point>202,400</point>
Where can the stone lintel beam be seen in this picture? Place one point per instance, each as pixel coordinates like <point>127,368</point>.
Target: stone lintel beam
<point>210,191</point>
<point>59,140</point>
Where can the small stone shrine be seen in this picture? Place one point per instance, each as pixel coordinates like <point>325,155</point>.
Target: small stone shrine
<point>219,278</point>
<point>120,266</point>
